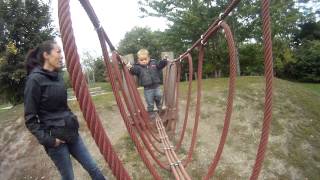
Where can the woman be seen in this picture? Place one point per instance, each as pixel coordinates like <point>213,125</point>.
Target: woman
<point>47,114</point>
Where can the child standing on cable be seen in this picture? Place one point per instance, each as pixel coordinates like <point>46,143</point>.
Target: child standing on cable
<point>148,72</point>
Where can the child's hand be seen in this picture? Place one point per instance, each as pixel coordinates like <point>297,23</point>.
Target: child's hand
<point>129,65</point>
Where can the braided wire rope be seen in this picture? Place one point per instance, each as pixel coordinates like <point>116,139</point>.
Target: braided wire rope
<point>233,73</point>
<point>138,116</point>
<point>82,93</point>
<point>268,73</point>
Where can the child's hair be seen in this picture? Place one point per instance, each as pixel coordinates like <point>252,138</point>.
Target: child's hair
<point>35,58</point>
<point>143,53</point>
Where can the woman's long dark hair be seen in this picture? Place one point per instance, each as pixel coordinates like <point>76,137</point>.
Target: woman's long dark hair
<point>35,58</point>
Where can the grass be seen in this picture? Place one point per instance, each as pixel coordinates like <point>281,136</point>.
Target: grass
<point>11,114</point>
<point>314,87</point>
<point>4,106</point>
<point>299,105</point>
<point>296,121</point>
<point>104,86</point>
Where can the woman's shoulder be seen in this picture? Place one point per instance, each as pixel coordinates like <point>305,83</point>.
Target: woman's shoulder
<point>36,76</point>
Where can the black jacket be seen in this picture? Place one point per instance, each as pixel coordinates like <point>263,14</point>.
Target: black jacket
<point>149,75</point>
<point>45,103</point>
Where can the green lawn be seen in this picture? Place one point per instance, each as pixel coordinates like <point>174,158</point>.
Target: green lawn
<point>294,134</point>
<point>4,105</point>
<point>315,87</point>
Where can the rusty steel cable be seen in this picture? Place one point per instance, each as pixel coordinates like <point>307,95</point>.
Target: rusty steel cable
<point>136,121</point>
<point>115,89</point>
<point>178,145</point>
<point>131,107</point>
<point>171,155</point>
<point>232,74</point>
<point>206,34</point>
<point>82,93</point>
<point>268,73</point>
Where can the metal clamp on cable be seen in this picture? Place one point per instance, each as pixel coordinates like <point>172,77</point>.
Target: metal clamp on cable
<point>202,43</point>
<point>180,58</point>
<point>163,137</point>
<point>172,164</point>
<point>99,27</point>
<point>220,16</point>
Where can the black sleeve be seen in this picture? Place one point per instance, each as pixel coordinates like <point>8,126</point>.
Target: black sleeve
<point>162,63</point>
<point>135,70</point>
<point>32,94</point>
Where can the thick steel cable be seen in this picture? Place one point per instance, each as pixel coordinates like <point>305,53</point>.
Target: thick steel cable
<point>95,21</point>
<point>198,102</point>
<point>178,145</point>
<point>123,113</point>
<point>140,106</point>
<point>136,121</point>
<point>170,154</point>
<point>222,16</point>
<point>166,141</point>
<point>137,100</point>
<point>134,114</point>
<point>233,74</point>
<point>115,86</point>
<point>82,93</point>
<point>264,136</point>
<point>268,71</point>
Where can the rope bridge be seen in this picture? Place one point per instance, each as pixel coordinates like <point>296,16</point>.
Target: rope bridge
<point>150,144</point>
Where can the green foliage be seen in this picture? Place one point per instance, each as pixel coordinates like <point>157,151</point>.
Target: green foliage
<point>100,70</point>
<point>22,27</point>
<point>309,31</point>
<point>139,38</point>
<point>191,18</point>
<point>251,59</point>
<point>94,68</point>
<point>307,67</point>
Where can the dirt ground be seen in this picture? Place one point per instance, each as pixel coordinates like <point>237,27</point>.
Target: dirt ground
<point>21,157</point>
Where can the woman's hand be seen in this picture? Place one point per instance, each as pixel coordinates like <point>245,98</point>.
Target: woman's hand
<point>58,142</point>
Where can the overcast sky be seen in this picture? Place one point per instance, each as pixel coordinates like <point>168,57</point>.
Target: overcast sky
<point>116,16</point>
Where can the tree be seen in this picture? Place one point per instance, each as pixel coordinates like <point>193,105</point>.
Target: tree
<point>191,18</point>
<point>251,59</point>
<point>22,27</point>
<point>307,67</point>
<point>140,37</point>
<point>100,73</point>
<point>94,68</point>
<point>307,54</point>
